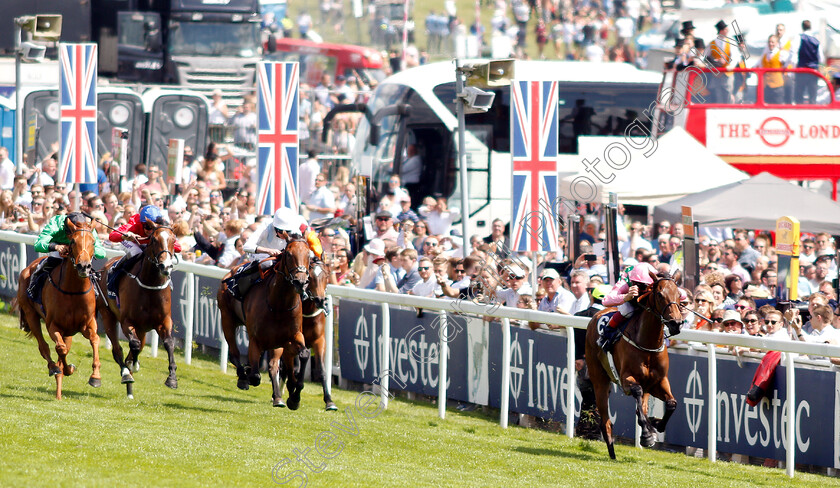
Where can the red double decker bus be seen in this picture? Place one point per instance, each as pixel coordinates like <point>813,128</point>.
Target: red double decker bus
<point>762,127</point>
<point>317,58</point>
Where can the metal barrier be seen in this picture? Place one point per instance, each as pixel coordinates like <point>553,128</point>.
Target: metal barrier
<point>506,314</point>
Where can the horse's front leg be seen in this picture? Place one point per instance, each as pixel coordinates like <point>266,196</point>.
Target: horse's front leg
<point>318,369</point>
<point>662,391</point>
<point>62,348</point>
<point>254,354</point>
<point>648,439</point>
<point>274,373</point>
<point>135,345</point>
<point>165,332</point>
<point>295,383</point>
<point>89,332</point>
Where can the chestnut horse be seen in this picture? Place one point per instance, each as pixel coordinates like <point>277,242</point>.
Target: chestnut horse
<point>314,322</point>
<point>144,303</point>
<point>69,305</point>
<point>640,358</point>
<point>272,314</point>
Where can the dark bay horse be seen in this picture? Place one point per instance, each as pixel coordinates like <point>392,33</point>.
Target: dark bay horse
<point>314,322</point>
<point>640,358</point>
<point>69,305</point>
<point>272,314</point>
<point>144,303</point>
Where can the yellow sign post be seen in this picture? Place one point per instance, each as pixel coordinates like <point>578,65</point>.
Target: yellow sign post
<point>787,252</point>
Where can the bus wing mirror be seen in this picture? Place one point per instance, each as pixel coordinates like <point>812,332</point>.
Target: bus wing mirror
<point>351,108</point>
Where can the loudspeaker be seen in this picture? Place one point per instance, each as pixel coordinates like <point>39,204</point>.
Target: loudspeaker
<point>44,105</point>
<point>124,109</point>
<point>43,27</point>
<point>490,74</point>
<point>174,115</point>
<point>32,52</point>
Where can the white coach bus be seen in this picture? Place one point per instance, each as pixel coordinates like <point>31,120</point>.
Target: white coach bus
<point>594,99</point>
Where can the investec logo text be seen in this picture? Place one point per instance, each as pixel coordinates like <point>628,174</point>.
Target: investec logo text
<point>414,358</point>
<point>763,424</point>
<point>544,385</point>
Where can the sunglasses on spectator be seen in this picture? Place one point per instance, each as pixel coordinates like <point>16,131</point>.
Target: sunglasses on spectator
<point>422,268</point>
<point>427,243</point>
<point>751,321</point>
<point>384,219</point>
<point>701,300</point>
<point>772,322</point>
<point>459,271</point>
<point>808,246</point>
<point>717,320</point>
<point>742,307</point>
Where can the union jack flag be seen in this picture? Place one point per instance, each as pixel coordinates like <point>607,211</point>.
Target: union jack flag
<point>77,92</point>
<point>278,136</point>
<point>533,134</point>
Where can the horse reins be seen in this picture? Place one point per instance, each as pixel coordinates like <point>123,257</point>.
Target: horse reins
<point>657,313</point>
<point>73,261</point>
<point>154,260</point>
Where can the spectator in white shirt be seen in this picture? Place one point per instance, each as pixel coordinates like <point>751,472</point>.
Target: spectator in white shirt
<point>7,170</point>
<point>775,326</point>
<point>822,331</point>
<point>426,287</point>
<point>578,283</point>
<point>321,203</point>
<point>307,172</point>
<point>557,299</point>
<point>439,216</point>
<point>635,241</point>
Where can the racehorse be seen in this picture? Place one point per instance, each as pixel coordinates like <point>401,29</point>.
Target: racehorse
<point>272,314</point>
<point>640,358</point>
<point>314,321</point>
<point>69,305</point>
<point>144,303</point>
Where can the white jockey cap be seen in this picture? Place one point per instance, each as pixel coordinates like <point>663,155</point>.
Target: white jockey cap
<point>286,219</point>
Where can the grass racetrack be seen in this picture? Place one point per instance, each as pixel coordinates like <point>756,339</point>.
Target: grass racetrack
<point>209,433</point>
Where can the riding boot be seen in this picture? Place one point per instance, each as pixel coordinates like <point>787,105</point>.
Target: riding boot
<point>124,264</point>
<point>241,281</point>
<point>36,281</point>
<point>610,332</point>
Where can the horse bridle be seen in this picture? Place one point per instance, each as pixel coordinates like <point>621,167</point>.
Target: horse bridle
<point>155,259</point>
<point>287,274</point>
<point>72,243</point>
<point>672,326</point>
<point>93,276</point>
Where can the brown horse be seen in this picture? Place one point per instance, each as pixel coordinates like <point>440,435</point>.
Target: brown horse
<point>314,322</point>
<point>640,358</point>
<point>145,303</point>
<point>69,305</point>
<point>272,315</point>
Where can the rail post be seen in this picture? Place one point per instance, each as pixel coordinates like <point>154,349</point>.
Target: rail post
<point>385,354</point>
<point>328,352</point>
<point>712,403</point>
<point>442,364</point>
<point>188,318</point>
<point>570,367</point>
<point>505,406</point>
<point>791,416</point>
<point>152,338</point>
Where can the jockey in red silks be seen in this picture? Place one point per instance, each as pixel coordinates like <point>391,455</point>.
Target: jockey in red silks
<point>633,282</point>
<point>134,236</point>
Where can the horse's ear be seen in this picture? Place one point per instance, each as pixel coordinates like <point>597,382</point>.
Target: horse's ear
<point>653,276</point>
<point>70,225</point>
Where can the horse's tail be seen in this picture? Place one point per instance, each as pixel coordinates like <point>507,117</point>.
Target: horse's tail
<point>23,325</point>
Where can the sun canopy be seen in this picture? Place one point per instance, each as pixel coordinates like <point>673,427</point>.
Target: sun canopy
<point>679,166</point>
<point>757,203</point>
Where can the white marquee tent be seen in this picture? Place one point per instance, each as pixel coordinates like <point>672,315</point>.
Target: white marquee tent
<point>679,166</point>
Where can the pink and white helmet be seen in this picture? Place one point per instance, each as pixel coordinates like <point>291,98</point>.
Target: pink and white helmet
<point>641,273</point>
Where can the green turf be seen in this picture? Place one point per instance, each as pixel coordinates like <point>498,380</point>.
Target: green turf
<point>209,433</point>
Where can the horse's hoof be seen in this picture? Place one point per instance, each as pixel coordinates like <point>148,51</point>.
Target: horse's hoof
<point>648,440</point>
<point>69,369</point>
<point>134,366</point>
<point>171,383</point>
<point>95,382</point>
<point>293,404</point>
<point>255,379</point>
<point>279,403</point>
<point>331,407</point>
<point>242,384</point>
<point>127,378</point>
<point>130,396</point>
<point>54,370</point>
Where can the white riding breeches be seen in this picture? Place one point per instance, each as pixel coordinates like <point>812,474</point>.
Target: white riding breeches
<point>626,309</point>
<point>132,248</point>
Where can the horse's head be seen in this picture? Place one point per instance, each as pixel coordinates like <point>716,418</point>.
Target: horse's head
<point>81,238</point>
<point>665,303</point>
<point>294,264</point>
<point>317,289</point>
<point>161,249</point>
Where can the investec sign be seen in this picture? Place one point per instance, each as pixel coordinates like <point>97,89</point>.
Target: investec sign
<point>789,132</point>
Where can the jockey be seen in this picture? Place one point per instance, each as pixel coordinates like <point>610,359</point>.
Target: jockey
<point>633,282</point>
<point>53,240</point>
<point>270,242</point>
<point>134,236</point>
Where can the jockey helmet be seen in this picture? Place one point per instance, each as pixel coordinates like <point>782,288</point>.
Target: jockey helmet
<point>286,219</point>
<point>76,217</point>
<point>151,213</point>
<point>641,273</point>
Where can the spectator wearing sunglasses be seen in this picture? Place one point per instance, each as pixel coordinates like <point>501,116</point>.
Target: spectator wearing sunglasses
<point>384,228</point>
<point>430,247</point>
<point>809,253</point>
<point>321,203</point>
<point>517,286</point>
<point>774,324</point>
<point>427,284</point>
